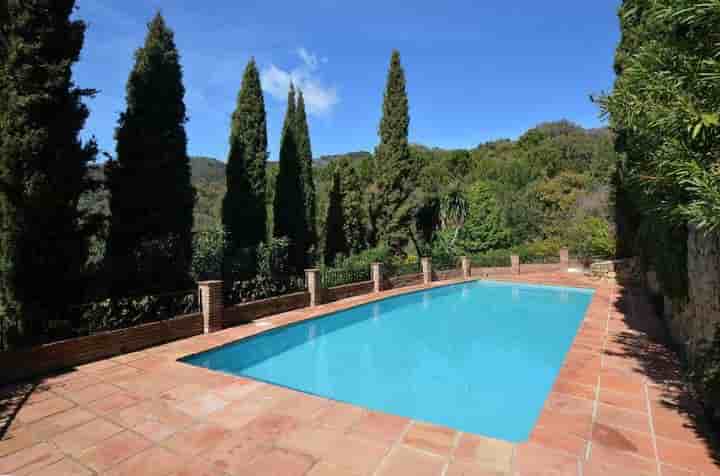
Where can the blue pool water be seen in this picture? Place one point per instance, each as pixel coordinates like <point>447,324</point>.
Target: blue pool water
<point>479,357</point>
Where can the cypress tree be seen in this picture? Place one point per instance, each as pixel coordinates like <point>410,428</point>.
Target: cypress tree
<point>152,198</point>
<point>43,169</point>
<point>335,240</point>
<point>393,168</point>
<point>289,204</point>
<point>244,214</point>
<point>305,158</point>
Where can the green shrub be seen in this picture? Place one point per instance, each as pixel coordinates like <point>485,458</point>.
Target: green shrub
<point>263,287</point>
<point>532,252</point>
<point>273,276</point>
<point>119,313</point>
<point>491,259</point>
<point>380,254</point>
<point>208,254</point>
<point>592,236</point>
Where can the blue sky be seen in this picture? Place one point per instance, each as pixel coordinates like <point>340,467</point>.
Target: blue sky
<point>476,70</point>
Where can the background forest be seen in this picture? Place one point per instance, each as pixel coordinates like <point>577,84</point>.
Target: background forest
<point>548,189</point>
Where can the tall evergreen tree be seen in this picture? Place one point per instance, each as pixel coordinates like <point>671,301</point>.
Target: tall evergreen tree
<point>392,210</point>
<point>335,240</point>
<point>289,203</point>
<point>305,157</point>
<point>43,168</point>
<point>152,198</point>
<point>244,214</point>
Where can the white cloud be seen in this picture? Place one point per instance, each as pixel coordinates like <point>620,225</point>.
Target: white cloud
<point>310,60</point>
<point>319,98</point>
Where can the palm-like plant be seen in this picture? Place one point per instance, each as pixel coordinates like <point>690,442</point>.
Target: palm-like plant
<point>454,209</point>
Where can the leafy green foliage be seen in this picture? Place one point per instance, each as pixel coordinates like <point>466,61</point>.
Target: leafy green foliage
<point>664,108</point>
<point>592,237</point>
<point>274,277</point>
<point>557,198</point>
<point>244,212</point>
<point>207,214</point>
<point>379,254</point>
<point>151,196</point>
<point>43,169</point>
<point>331,277</point>
<point>119,313</point>
<point>452,213</point>
<point>396,266</point>
<point>492,259</point>
<point>209,254</point>
<point>484,228</point>
<point>536,204</point>
<point>554,175</point>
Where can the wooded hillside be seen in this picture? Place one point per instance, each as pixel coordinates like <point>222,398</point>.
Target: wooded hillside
<point>552,180</point>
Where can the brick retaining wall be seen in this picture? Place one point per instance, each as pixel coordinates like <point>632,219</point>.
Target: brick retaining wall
<point>402,281</point>
<point>524,269</point>
<point>249,311</point>
<point>34,361</point>
<point>448,274</point>
<point>541,268</point>
<point>347,290</point>
<point>491,271</point>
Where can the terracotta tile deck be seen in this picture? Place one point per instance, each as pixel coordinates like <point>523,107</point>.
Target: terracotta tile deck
<point>617,408</point>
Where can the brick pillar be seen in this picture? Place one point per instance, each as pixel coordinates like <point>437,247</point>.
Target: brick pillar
<point>312,278</point>
<point>515,264</point>
<point>376,272</point>
<point>466,267</point>
<point>564,258</point>
<point>426,270</point>
<point>211,302</point>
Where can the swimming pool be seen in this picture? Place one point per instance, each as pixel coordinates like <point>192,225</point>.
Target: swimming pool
<point>479,357</point>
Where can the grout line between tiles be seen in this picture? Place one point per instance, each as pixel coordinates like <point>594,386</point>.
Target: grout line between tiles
<point>393,446</point>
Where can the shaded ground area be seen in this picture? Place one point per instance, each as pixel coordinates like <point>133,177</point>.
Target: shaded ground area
<point>638,341</point>
<point>617,408</point>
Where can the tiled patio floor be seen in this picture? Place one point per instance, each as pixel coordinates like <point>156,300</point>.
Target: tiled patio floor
<point>615,409</point>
